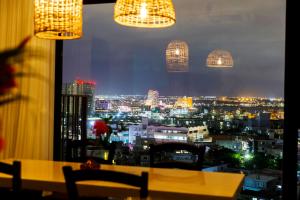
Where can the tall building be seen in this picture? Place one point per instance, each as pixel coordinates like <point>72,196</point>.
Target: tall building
<point>263,120</point>
<point>73,126</point>
<point>152,98</point>
<point>82,87</point>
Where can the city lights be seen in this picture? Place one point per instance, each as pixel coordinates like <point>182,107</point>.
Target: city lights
<point>247,130</point>
<point>248,156</point>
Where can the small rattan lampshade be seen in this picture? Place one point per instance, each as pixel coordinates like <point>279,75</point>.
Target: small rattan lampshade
<point>145,13</point>
<point>220,59</point>
<point>58,19</point>
<point>177,56</point>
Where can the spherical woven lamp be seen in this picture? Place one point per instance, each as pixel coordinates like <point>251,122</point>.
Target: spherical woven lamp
<point>219,59</point>
<point>58,19</point>
<point>177,56</point>
<point>145,13</point>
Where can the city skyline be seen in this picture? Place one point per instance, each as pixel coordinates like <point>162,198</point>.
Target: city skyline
<point>128,61</point>
<point>161,95</point>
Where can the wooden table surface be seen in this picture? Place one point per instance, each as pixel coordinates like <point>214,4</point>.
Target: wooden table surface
<point>163,183</point>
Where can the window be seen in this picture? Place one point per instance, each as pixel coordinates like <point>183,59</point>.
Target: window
<point>124,74</point>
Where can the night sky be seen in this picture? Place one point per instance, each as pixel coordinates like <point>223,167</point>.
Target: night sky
<point>126,60</point>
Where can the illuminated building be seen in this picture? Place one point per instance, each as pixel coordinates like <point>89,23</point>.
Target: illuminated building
<point>121,136</point>
<point>238,144</point>
<point>184,102</point>
<point>152,99</point>
<point>124,109</point>
<point>259,182</point>
<point>198,134</point>
<point>134,131</point>
<point>167,134</point>
<point>137,130</point>
<point>246,99</point>
<point>101,104</point>
<point>263,119</point>
<point>277,116</point>
<point>222,98</point>
<point>157,134</point>
<point>179,112</point>
<point>82,87</point>
<point>73,125</point>
<point>251,116</point>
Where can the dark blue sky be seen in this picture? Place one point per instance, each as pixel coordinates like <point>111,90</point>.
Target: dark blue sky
<point>126,60</point>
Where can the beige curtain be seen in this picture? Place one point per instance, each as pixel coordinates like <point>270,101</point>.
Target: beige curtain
<point>27,126</point>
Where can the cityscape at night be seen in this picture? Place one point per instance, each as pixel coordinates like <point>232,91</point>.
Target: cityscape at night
<point>217,81</point>
<point>149,99</point>
<point>241,134</point>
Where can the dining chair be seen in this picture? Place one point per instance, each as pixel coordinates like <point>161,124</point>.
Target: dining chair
<point>16,191</point>
<point>15,171</point>
<point>73,176</point>
<point>164,155</point>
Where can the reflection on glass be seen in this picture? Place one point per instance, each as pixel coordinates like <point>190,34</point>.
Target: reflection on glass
<point>177,56</point>
<point>219,59</point>
<point>238,113</point>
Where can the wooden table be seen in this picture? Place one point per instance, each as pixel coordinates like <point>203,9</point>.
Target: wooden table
<point>163,183</point>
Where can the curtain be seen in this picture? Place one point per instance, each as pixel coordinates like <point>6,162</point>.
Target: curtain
<point>27,125</point>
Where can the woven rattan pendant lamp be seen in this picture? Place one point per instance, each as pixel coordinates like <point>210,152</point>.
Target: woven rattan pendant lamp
<point>145,13</point>
<point>58,19</point>
<point>177,56</point>
<point>219,59</point>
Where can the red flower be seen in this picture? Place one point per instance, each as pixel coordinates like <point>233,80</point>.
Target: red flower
<point>7,71</point>
<point>7,80</point>
<point>100,127</point>
<point>2,144</point>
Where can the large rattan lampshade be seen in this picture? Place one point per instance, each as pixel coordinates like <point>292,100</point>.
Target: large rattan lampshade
<point>145,13</point>
<point>219,59</point>
<point>177,56</point>
<point>58,19</point>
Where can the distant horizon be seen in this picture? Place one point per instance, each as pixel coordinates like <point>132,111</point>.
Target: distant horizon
<point>143,94</point>
<point>262,97</point>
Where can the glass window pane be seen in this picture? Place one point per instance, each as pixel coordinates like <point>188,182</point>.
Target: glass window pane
<point>215,78</point>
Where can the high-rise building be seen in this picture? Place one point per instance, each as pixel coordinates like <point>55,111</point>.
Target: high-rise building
<point>82,87</point>
<point>152,98</point>
<point>73,126</point>
<point>263,119</point>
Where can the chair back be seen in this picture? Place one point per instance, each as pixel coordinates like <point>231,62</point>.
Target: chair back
<point>14,170</point>
<point>111,154</point>
<point>73,176</point>
<point>160,155</point>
